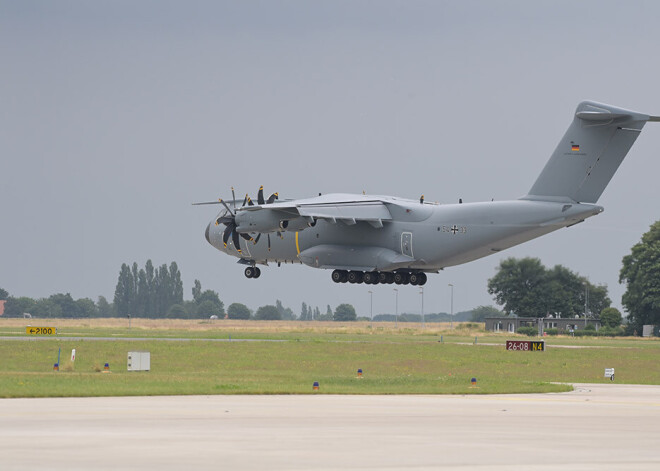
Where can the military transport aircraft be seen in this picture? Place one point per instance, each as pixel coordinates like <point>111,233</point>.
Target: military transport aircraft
<point>384,239</point>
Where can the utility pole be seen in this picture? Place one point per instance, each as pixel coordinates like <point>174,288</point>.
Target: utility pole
<point>421,291</point>
<point>371,307</point>
<point>396,309</point>
<point>451,318</point>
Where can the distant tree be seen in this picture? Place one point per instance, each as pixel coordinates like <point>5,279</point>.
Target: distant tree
<point>67,306</point>
<point>142,307</point>
<point>209,308</point>
<point>526,288</point>
<point>238,311</point>
<point>304,312</point>
<point>148,292</point>
<point>135,300</point>
<point>317,313</point>
<point>197,290</point>
<point>124,291</point>
<point>641,274</point>
<point>86,308</point>
<point>47,308</point>
<point>150,295</point>
<point>177,285</point>
<point>104,307</point>
<point>328,315</point>
<point>177,311</point>
<point>207,302</point>
<point>518,286</point>
<point>4,294</point>
<point>209,295</point>
<point>16,307</point>
<point>267,313</point>
<point>285,312</point>
<point>611,317</point>
<point>480,313</point>
<point>344,312</point>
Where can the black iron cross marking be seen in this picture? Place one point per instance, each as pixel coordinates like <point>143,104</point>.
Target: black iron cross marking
<point>454,229</point>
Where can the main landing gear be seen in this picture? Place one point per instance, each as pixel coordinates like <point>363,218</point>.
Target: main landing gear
<point>252,272</point>
<point>416,278</point>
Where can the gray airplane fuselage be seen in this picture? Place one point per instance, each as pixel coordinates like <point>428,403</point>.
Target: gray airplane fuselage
<point>434,235</point>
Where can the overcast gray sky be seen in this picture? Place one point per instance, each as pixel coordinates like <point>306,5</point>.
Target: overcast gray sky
<point>115,116</point>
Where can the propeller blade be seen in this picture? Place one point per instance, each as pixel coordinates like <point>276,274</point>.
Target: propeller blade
<point>250,202</point>
<point>226,207</point>
<point>268,241</point>
<point>237,241</point>
<point>257,238</point>
<point>272,198</point>
<point>227,233</point>
<point>260,195</point>
<point>247,237</point>
<point>245,200</point>
<point>233,197</point>
<point>223,220</point>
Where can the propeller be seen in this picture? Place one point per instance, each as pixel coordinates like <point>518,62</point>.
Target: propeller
<point>229,219</point>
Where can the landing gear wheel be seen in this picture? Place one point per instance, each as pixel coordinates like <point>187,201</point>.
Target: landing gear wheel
<point>250,272</point>
<point>370,278</point>
<point>422,278</point>
<point>355,277</point>
<point>339,276</point>
<point>399,278</point>
<point>257,272</point>
<point>414,279</point>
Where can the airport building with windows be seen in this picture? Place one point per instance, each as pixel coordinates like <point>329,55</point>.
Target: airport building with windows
<point>563,326</point>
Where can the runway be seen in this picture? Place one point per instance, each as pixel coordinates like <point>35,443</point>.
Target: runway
<point>598,426</point>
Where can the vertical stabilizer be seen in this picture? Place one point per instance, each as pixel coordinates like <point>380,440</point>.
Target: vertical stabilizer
<point>589,154</point>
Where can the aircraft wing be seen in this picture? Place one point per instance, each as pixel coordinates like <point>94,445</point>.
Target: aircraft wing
<point>349,209</point>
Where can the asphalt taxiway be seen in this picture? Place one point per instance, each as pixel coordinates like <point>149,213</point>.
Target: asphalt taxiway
<point>598,426</point>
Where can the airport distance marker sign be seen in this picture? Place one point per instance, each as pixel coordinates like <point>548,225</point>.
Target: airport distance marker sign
<point>526,345</point>
<point>41,330</point>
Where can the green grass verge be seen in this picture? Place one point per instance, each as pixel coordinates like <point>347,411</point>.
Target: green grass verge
<point>392,364</point>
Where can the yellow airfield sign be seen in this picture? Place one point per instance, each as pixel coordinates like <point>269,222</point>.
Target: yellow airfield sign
<point>41,330</point>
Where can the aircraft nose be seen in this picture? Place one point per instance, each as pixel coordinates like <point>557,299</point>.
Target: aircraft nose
<point>206,233</point>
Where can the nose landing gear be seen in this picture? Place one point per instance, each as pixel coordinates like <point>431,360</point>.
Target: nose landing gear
<point>252,272</point>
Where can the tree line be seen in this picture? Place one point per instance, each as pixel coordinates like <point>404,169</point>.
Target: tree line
<point>522,287</point>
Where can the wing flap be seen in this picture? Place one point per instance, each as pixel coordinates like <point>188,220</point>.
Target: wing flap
<point>358,211</point>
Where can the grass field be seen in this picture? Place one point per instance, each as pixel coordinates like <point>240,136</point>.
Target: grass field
<point>407,360</point>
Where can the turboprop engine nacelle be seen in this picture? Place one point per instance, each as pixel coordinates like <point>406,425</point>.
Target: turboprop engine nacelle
<point>258,221</point>
<point>270,221</point>
<point>297,224</point>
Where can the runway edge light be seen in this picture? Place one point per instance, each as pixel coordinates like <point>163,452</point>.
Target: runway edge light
<point>316,386</point>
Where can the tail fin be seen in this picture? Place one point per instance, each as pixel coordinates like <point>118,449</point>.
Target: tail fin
<point>589,154</point>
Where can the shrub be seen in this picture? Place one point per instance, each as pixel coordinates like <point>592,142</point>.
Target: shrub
<point>610,331</point>
<point>586,333</point>
<point>552,331</point>
<point>528,331</point>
